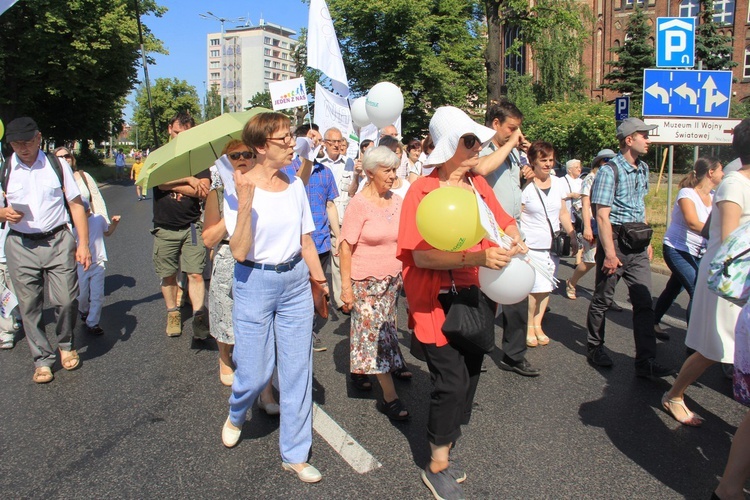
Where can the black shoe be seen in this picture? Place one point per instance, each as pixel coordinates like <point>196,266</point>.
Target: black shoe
<point>345,312</point>
<point>95,330</point>
<point>442,485</point>
<point>84,316</point>
<point>728,370</point>
<point>522,367</point>
<point>651,369</point>
<point>598,357</point>
<point>660,334</point>
<point>615,307</point>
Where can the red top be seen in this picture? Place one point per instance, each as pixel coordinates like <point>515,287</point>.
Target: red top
<point>422,286</point>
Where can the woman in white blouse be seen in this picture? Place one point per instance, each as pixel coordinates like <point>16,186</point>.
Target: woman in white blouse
<point>86,184</point>
<point>269,222</point>
<point>542,201</point>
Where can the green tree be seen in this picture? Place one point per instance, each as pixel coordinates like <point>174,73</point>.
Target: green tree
<point>212,106</point>
<point>634,55</point>
<point>262,100</point>
<point>71,64</point>
<point>711,47</point>
<point>432,49</point>
<point>299,57</point>
<point>169,96</point>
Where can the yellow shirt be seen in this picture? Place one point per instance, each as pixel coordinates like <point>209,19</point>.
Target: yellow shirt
<point>137,168</point>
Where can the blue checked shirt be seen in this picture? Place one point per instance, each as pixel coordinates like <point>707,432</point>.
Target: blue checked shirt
<point>320,190</point>
<point>627,204</point>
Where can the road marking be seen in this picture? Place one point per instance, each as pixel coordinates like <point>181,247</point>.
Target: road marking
<point>343,443</point>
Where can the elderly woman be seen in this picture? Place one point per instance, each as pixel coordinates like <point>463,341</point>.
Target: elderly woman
<point>430,273</point>
<point>371,279</point>
<point>86,184</point>
<point>542,213</point>
<point>269,222</point>
<point>220,301</point>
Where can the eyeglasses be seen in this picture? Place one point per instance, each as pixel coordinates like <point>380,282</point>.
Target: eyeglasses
<point>336,141</point>
<point>286,138</point>
<point>241,154</point>
<point>66,156</point>
<point>470,141</point>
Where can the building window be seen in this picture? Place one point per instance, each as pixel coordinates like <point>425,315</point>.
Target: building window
<point>598,58</point>
<point>284,56</point>
<point>724,11</point>
<point>275,43</point>
<point>215,41</point>
<point>746,73</point>
<point>284,45</point>
<point>267,52</point>
<point>215,76</point>
<point>276,64</point>
<point>268,74</point>
<point>215,53</point>
<point>292,68</point>
<point>629,3</point>
<point>267,63</point>
<point>514,62</point>
<point>215,64</point>
<point>276,53</point>
<point>285,67</point>
<point>690,8</point>
<point>267,40</point>
<point>284,77</point>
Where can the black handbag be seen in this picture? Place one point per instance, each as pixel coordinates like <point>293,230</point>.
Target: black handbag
<point>560,245</point>
<point>469,320</point>
<point>635,236</point>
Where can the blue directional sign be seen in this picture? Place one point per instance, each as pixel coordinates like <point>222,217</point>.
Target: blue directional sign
<point>622,108</point>
<point>675,42</point>
<point>688,93</point>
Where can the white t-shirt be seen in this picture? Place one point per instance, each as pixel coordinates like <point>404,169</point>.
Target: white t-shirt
<point>678,235</point>
<point>572,186</point>
<point>3,234</point>
<point>533,219</point>
<point>278,221</point>
<point>98,225</point>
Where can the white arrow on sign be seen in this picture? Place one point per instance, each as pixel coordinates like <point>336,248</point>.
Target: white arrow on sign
<point>687,93</point>
<point>676,23</point>
<point>712,98</point>
<point>656,91</point>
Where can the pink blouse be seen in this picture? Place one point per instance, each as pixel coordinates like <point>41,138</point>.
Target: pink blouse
<point>372,231</point>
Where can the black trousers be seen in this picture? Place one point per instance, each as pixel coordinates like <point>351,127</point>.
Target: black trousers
<point>636,272</point>
<point>515,321</point>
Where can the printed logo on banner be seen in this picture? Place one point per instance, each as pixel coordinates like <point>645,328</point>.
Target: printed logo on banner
<point>288,93</point>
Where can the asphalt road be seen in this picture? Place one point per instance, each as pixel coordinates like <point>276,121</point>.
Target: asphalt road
<point>142,416</point>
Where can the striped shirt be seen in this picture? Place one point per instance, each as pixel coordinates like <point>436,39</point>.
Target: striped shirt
<point>628,203</point>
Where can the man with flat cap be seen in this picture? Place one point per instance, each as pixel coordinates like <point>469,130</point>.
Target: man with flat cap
<point>41,199</point>
<point>624,248</point>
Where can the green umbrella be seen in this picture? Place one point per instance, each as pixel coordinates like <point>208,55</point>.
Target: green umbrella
<point>194,150</point>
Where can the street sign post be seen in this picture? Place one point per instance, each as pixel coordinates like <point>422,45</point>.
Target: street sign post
<point>691,131</point>
<point>622,108</point>
<point>686,93</point>
<point>675,42</point>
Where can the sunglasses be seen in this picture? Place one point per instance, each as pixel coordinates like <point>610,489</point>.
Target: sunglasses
<point>241,154</point>
<point>66,156</point>
<point>470,141</point>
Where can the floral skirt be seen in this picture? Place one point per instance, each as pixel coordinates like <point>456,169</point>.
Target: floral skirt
<point>742,357</point>
<point>374,339</point>
<point>220,301</point>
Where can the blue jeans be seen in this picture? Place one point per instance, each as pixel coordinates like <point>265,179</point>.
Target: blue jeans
<point>273,316</point>
<point>684,267</point>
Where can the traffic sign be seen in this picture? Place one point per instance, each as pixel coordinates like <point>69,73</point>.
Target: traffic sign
<point>688,93</point>
<point>675,42</point>
<point>622,108</point>
<point>691,130</point>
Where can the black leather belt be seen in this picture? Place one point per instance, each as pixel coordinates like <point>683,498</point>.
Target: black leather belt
<point>38,236</point>
<point>279,268</point>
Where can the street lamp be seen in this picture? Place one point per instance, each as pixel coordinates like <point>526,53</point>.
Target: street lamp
<point>213,17</point>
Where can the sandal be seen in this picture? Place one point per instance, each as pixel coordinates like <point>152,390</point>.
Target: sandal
<point>570,290</point>
<point>541,338</point>
<point>394,410</point>
<point>531,340</point>
<point>690,418</point>
<point>43,375</point>
<point>361,381</point>
<point>402,374</point>
<point>71,361</point>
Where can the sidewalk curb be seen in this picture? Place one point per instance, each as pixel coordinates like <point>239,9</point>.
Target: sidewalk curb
<point>660,269</point>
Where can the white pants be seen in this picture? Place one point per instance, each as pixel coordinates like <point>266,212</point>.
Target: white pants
<point>91,292</point>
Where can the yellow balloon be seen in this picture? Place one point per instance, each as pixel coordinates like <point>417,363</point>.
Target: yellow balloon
<point>448,219</point>
<point>2,129</point>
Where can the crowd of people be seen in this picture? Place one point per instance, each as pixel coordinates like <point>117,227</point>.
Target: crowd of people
<point>282,207</point>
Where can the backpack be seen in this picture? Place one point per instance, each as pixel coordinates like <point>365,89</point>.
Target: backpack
<point>55,162</point>
<point>729,270</point>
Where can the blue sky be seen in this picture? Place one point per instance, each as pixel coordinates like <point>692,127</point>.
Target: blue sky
<point>183,32</point>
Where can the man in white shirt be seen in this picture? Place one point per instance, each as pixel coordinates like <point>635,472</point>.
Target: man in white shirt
<point>40,246</point>
<point>573,184</point>
<point>343,172</point>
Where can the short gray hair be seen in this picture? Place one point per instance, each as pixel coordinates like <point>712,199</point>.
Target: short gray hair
<point>571,163</point>
<point>380,156</point>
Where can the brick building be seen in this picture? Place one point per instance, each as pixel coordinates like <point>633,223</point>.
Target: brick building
<point>608,30</point>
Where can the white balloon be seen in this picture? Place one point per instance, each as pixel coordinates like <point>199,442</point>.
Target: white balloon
<point>384,104</point>
<point>359,113</point>
<point>509,285</point>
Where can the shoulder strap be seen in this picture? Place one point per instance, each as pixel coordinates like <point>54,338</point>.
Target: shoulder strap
<point>55,162</point>
<point>4,178</point>
<point>546,215</point>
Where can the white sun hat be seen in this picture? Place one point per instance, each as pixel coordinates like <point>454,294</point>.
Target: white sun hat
<point>447,126</point>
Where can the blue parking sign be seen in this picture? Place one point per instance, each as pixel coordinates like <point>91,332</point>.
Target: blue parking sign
<point>622,108</point>
<point>675,42</point>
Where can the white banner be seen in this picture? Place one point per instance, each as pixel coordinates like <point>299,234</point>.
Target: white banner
<point>6,4</point>
<point>288,93</point>
<point>332,111</point>
<point>691,130</point>
<point>323,51</point>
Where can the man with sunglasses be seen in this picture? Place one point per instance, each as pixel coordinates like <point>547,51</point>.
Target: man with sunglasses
<point>178,242</point>
<point>342,169</point>
<point>40,248</point>
<point>500,165</point>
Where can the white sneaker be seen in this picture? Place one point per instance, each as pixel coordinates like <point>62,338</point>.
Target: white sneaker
<point>230,435</point>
